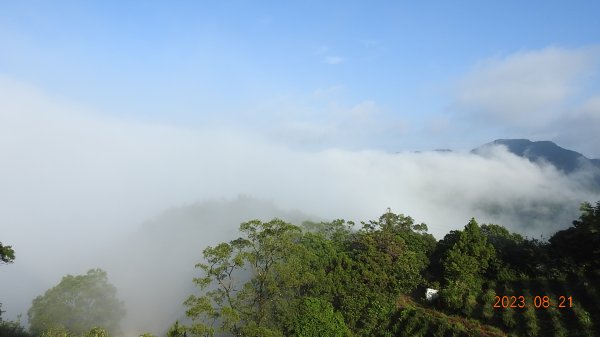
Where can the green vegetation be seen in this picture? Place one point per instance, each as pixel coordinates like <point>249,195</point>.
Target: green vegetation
<point>7,254</point>
<point>77,304</point>
<point>331,279</point>
<point>276,277</point>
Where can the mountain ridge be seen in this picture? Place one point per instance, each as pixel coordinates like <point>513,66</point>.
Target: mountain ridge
<point>565,160</point>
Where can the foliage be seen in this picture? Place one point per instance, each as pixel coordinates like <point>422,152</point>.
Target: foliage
<point>78,303</point>
<point>7,254</point>
<point>386,258</point>
<point>13,329</point>
<point>464,266</point>
<point>242,280</point>
<point>176,330</point>
<point>56,331</point>
<point>330,279</point>
<point>100,332</point>
<point>580,245</point>
<point>147,334</point>
<point>315,318</point>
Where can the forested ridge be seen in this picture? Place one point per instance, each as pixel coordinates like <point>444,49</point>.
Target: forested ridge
<point>342,278</point>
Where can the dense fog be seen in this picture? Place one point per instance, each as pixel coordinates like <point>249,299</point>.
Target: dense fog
<point>142,200</point>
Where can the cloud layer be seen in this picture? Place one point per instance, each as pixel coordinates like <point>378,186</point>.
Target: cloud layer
<point>549,93</point>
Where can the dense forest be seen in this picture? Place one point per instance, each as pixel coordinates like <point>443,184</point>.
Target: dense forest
<point>370,279</point>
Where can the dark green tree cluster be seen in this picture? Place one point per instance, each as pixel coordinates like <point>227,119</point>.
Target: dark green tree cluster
<point>464,267</point>
<point>331,279</point>
<point>323,279</point>
<point>578,247</point>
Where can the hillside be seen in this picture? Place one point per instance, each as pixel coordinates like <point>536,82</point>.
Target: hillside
<point>565,160</point>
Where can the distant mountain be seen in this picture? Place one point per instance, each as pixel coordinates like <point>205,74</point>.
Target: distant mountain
<point>563,159</point>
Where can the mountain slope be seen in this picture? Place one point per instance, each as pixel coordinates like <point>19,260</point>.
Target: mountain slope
<point>565,160</point>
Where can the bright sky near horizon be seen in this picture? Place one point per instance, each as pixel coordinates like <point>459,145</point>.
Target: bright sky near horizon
<point>386,75</point>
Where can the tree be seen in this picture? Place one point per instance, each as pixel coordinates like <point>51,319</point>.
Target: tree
<point>13,329</point>
<point>244,281</point>
<point>580,245</point>
<point>78,304</point>
<point>395,249</point>
<point>176,330</point>
<point>382,260</point>
<point>7,254</point>
<point>316,318</point>
<point>276,280</point>
<point>464,266</point>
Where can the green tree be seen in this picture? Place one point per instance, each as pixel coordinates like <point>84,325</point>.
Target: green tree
<point>13,329</point>
<point>580,245</point>
<point>515,255</point>
<point>244,281</point>
<point>176,330</point>
<point>7,254</point>
<point>274,277</point>
<point>464,267</point>
<point>99,332</point>
<point>56,331</point>
<point>381,261</point>
<point>78,303</point>
<point>395,250</point>
<point>315,318</point>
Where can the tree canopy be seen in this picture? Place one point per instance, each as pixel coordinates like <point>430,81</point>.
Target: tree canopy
<point>464,265</point>
<point>77,304</point>
<point>7,254</point>
<point>258,284</point>
<point>580,245</point>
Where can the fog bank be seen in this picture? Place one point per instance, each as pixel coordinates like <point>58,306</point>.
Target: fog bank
<point>76,187</point>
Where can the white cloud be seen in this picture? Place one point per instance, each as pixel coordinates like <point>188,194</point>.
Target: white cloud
<point>74,180</point>
<point>538,94</point>
<point>319,121</point>
<point>591,108</point>
<point>327,55</point>
<point>527,89</point>
<point>579,128</point>
<point>333,59</point>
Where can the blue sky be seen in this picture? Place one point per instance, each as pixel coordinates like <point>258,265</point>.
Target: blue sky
<point>347,74</point>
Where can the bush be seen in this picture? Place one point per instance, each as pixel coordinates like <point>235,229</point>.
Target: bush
<point>508,318</point>
<point>488,302</point>
<point>12,329</point>
<point>56,331</point>
<point>531,326</point>
<point>97,332</point>
<point>316,318</point>
<point>584,320</point>
<point>469,305</point>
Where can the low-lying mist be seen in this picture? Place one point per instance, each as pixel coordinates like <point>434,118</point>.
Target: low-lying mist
<point>81,190</point>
